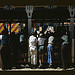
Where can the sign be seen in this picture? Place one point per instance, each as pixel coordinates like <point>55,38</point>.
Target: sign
<point>14,28</point>
<point>1,27</point>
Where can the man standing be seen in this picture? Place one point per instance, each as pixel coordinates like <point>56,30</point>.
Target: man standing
<point>41,42</point>
<point>50,49</point>
<point>33,49</point>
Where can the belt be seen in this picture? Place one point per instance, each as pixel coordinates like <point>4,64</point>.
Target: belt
<point>49,43</point>
<point>41,45</point>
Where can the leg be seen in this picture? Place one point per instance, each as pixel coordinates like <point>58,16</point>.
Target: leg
<point>48,57</point>
<point>35,57</point>
<point>62,58</point>
<point>48,49</point>
<point>39,59</point>
<point>31,57</point>
<point>42,58</point>
<point>51,49</point>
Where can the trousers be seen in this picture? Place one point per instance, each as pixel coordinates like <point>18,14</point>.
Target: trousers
<point>50,50</point>
<point>33,54</point>
<point>64,53</point>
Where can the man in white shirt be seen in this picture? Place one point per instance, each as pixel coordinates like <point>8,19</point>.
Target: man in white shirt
<point>33,48</point>
<point>41,42</point>
<point>50,49</point>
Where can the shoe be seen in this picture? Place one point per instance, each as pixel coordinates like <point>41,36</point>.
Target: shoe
<point>63,69</point>
<point>40,65</point>
<point>33,67</point>
<point>50,65</point>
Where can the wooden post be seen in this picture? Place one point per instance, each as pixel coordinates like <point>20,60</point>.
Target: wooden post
<point>29,11</point>
<point>72,11</point>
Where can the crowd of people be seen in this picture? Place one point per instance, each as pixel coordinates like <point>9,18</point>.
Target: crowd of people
<point>44,42</point>
<point>15,45</point>
<point>13,48</point>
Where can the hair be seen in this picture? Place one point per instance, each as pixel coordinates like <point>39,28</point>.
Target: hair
<point>33,33</point>
<point>51,34</point>
<point>40,35</point>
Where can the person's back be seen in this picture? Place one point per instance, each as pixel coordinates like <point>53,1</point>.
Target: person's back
<point>33,49</point>
<point>32,41</point>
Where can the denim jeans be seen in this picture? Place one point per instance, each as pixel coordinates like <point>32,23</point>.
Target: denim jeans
<point>49,49</point>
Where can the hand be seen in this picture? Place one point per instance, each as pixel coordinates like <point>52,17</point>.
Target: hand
<point>45,53</point>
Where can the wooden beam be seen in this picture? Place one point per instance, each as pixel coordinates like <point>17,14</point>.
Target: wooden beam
<point>36,2</point>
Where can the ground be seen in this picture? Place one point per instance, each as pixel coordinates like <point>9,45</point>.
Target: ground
<point>37,69</point>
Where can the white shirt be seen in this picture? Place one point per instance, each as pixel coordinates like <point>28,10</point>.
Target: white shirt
<point>38,32</point>
<point>32,41</point>
<point>50,40</point>
<point>0,37</point>
<point>41,41</point>
<point>65,38</point>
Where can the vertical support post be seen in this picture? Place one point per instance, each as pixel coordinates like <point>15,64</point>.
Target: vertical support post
<point>29,11</point>
<point>71,27</point>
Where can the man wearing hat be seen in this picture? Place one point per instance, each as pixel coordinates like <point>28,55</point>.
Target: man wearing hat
<point>41,41</point>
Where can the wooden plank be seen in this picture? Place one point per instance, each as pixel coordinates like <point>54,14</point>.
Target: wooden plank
<point>36,2</point>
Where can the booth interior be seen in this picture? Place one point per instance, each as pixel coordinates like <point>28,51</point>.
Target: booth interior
<point>56,18</point>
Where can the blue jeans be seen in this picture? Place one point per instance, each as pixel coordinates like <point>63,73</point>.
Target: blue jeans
<point>49,49</point>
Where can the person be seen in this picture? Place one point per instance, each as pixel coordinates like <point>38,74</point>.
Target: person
<point>64,48</point>
<point>5,51</point>
<point>33,49</point>
<point>13,48</point>
<point>50,49</point>
<point>41,49</point>
<point>23,45</point>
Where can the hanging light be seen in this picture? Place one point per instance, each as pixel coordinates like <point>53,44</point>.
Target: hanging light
<point>9,7</point>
